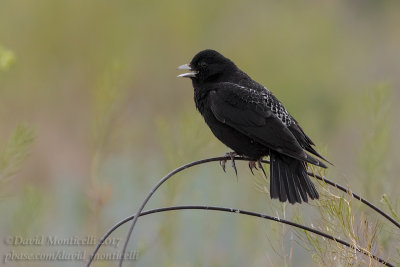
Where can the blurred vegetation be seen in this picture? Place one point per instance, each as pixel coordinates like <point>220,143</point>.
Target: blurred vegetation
<point>7,58</point>
<point>97,81</point>
<point>15,151</point>
<point>376,139</point>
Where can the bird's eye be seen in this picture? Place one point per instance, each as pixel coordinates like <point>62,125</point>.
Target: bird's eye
<point>203,64</point>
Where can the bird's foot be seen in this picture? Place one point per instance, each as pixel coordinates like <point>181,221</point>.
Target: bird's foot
<point>261,167</point>
<point>255,164</point>
<point>252,165</point>
<point>232,155</point>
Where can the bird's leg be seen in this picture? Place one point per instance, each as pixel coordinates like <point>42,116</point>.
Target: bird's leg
<point>261,167</point>
<point>232,156</point>
<point>252,165</point>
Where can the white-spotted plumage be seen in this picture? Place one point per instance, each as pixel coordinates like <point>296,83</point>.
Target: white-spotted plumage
<point>265,99</point>
<point>276,107</point>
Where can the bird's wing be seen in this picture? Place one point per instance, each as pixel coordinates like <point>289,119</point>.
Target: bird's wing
<point>247,111</point>
<point>304,140</point>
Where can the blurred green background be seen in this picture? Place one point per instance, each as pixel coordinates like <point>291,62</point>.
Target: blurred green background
<point>92,116</point>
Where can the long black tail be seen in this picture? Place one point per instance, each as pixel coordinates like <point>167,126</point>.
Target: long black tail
<point>289,179</point>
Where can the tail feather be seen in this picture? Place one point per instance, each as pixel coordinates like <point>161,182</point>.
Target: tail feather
<point>293,191</point>
<point>274,183</point>
<point>289,180</point>
<point>299,185</point>
<point>282,193</point>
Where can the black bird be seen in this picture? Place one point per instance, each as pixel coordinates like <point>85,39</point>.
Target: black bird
<point>248,118</point>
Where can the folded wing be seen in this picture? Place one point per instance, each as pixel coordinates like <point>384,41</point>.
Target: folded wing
<point>245,110</point>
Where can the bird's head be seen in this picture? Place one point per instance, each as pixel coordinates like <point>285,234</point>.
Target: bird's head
<point>208,66</point>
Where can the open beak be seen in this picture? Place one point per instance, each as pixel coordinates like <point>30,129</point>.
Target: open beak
<point>191,74</point>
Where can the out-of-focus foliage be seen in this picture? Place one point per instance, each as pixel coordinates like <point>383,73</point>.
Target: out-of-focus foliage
<point>378,102</point>
<point>15,151</point>
<point>97,81</point>
<point>7,58</point>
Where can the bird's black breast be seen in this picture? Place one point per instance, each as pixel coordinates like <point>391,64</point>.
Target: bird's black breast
<point>237,141</point>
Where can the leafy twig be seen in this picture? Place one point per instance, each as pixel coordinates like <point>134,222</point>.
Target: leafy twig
<point>363,200</point>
